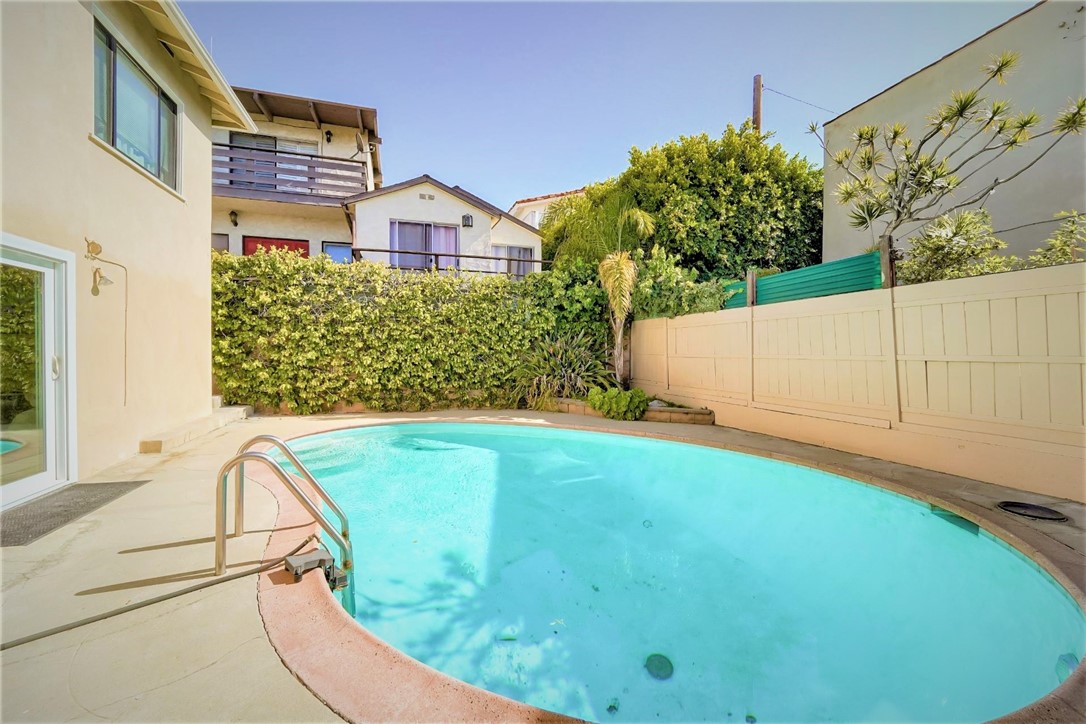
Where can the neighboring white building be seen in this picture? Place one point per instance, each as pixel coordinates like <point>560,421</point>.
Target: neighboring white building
<point>422,222</point>
<point>531,210</point>
<point>1050,40</point>
<point>283,186</point>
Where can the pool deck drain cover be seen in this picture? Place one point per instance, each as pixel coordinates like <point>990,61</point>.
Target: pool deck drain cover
<point>659,666</point>
<point>1029,510</point>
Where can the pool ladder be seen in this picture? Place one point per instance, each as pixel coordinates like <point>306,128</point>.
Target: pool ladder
<point>341,536</point>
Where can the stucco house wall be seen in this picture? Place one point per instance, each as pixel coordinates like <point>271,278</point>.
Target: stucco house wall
<point>372,217</point>
<point>271,219</point>
<point>1050,40</point>
<point>62,185</point>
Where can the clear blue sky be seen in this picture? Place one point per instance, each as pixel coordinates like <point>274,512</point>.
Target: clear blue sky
<point>516,99</point>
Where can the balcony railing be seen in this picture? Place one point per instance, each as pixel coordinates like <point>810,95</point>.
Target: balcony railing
<point>284,176</point>
<point>445,261</point>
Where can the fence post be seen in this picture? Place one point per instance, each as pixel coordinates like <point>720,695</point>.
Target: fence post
<point>752,286</point>
<point>886,260</point>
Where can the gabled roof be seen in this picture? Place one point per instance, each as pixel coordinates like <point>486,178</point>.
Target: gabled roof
<point>465,196</point>
<point>173,30</point>
<point>560,194</point>
<point>937,62</point>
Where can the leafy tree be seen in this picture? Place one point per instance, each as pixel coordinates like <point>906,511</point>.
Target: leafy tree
<point>718,204</point>
<point>1067,244</point>
<point>725,204</point>
<point>895,180</point>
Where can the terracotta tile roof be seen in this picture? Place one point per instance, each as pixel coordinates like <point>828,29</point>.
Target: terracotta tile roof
<point>548,196</point>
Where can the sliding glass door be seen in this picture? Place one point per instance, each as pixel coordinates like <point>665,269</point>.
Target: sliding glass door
<point>33,436</point>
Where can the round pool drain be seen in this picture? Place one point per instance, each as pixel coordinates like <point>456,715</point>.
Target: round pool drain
<point>1029,510</point>
<point>659,666</point>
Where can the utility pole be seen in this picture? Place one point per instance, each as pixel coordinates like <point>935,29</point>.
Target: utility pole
<point>757,115</point>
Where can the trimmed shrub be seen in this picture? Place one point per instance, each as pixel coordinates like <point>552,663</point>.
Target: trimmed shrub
<point>310,333</point>
<point>618,404</point>
<point>665,289</point>
<point>572,293</point>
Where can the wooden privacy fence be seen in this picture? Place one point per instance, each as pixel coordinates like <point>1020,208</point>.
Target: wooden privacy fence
<point>981,377</point>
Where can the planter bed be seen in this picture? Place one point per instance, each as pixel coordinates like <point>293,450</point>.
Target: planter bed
<point>653,414</point>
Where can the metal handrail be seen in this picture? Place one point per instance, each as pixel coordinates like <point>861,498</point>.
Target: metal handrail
<point>345,550</point>
<point>239,484</point>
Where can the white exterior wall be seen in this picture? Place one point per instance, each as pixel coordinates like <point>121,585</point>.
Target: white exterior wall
<point>1051,71</point>
<point>372,217</point>
<point>531,212</point>
<point>315,224</point>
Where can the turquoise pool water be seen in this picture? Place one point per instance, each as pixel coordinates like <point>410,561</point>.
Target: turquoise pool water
<point>549,565</point>
<point>7,446</point>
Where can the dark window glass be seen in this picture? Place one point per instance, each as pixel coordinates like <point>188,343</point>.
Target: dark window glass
<point>131,112</point>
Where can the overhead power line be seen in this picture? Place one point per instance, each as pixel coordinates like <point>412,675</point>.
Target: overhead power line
<point>798,100</point>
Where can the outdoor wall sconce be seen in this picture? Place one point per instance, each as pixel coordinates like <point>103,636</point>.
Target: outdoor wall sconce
<point>466,221</point>
<point>99,280</point>
<point>234,218</point>
<point>327,136</point>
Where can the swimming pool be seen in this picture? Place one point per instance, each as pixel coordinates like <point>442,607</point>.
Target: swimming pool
<point>7,446</point>
<point>551,566</point>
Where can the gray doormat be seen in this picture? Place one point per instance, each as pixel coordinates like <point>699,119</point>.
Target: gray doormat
<point>26,523</point>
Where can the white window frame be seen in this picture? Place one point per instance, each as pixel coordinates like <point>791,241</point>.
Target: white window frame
<point>62,464</point>
<point>147,67</point>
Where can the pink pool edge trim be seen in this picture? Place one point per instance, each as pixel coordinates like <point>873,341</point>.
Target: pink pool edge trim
<point>362,678</point>
<point>357,675</point>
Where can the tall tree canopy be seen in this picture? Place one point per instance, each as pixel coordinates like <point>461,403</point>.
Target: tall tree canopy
<point>720,204</point>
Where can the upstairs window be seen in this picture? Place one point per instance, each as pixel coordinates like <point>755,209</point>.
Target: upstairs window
<point>131,113</point>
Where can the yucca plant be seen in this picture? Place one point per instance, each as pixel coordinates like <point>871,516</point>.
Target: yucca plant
<point>565,365</point>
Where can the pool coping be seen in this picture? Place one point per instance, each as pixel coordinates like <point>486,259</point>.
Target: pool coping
<point>325,648</point>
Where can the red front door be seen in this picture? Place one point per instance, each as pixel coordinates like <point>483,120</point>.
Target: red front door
<point>249,244</point>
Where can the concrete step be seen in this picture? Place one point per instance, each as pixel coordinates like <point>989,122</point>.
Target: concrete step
<point>216,402</point>
<point>219,417</point>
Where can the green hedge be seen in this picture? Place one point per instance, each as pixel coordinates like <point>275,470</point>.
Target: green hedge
<point>310,333</point>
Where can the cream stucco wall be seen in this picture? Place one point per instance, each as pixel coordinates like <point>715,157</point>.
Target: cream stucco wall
<point>372,217</point>
<point>60,185</point>
<point>531,212</point>
<point>315,224</point>
<point>1051,72</point>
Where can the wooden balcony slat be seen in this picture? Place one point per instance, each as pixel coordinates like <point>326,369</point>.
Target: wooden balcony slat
<point>281,183</point>
<point>344,164</point>
<point>357,179</point>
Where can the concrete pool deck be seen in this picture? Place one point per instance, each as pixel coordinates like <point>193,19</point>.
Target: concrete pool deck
<point>206,656</point>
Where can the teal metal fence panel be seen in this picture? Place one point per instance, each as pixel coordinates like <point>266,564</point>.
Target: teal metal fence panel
<point>737,300</point>
<point>854,274</point>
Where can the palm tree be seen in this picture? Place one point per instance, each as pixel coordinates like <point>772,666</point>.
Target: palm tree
<point>618,274</point>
